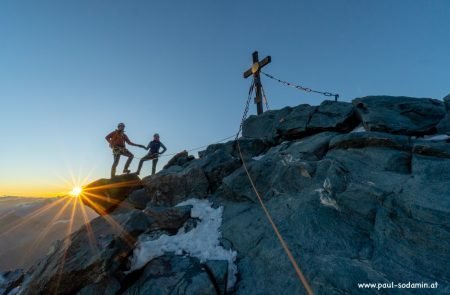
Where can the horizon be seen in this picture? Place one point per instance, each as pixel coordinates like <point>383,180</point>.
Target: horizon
<point>71,71</point>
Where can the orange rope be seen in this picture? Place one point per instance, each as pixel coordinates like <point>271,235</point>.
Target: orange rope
<point>277,232</point>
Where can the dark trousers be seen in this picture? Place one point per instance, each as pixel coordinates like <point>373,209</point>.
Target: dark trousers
<point>153,157</point>
<point>117,152</point>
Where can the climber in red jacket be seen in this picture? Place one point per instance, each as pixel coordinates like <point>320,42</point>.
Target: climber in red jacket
<point>117,140</point>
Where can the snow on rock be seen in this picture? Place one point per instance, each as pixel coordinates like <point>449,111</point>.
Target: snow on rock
<point>257,158</point>
<point>201,242</point>
<point>358,129</point>
<point>436,137</point>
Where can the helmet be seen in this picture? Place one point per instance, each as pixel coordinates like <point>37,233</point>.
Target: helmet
<point>156,135</point>
<point>121,125</point>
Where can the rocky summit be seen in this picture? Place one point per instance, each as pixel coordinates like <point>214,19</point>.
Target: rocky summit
<point>359,191</point>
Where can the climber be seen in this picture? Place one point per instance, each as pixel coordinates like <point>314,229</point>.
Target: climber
<point>117,140</point>
<point>153,154</point>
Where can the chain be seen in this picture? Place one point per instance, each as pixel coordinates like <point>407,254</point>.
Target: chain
<point>247,105</point>
<point>306,89</point>
<point>265,98</point>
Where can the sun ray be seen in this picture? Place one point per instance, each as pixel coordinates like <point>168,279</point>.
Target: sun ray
<point>116,226</point>
<point>47,229</point>
<point>115,185</point>
<point>66,245</point>
<point>100,197</point>
<point>30,216</point>
<point>90,232</point>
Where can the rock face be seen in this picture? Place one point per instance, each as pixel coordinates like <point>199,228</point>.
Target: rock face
<point>400,115</point>
<point>104,195</point>
<point>353,207</point>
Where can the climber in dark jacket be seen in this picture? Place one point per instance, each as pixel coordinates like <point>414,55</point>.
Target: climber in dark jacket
<point>153,154</point>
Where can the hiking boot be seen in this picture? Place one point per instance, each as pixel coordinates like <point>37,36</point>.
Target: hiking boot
<point>126,171</point>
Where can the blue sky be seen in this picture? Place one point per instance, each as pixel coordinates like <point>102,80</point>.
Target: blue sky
<point>71,70</point>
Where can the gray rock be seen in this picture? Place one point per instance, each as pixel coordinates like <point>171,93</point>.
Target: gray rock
<point>400,115</point>
<point>176,184</point>
<point>370,139</point>
<point>179,159</point>
<point>435,149</point>
<point>333,116</point>
<point>295,123</point>
<point>10,280</point>
<point>168,219</point>
<point>265,126</point>
<point>248,147</point>
<point>447,103</point>
<point>170,274</point>
<point>138,199</point>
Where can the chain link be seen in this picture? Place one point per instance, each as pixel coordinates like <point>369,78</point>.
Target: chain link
<point>336,96</point>
<point>265,98</point>
<point>247,105</point>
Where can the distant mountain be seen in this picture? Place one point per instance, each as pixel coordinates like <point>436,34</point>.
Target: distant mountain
<point>28,227</point>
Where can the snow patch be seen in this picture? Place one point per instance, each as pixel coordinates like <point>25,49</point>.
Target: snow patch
<point>358,129</point>
<point>257,158</point>
<point>436,137</point>
<point>201,242</point>
<point>326,200</point>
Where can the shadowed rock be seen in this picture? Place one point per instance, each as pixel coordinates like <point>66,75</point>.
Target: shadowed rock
<point>179,159</point>
<point>104,195</point>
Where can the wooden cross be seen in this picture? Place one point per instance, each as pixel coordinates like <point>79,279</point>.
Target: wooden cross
<point>254,70</point>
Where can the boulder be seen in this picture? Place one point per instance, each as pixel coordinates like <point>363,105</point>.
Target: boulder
<point>170,274</point>
<point>370,139</point>
<point>333,116</point>
<point>265,125</point>
<point>400,115</point>
<point>104,195</point>
<point>249,148</point>
<point>179,159</point>
<point>138,199</point>
<point>295,123</point>
<point>171,186</point>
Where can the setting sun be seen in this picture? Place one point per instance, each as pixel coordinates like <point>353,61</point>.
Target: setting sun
<point>76,191</point>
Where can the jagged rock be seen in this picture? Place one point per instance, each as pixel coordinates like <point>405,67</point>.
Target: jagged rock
<point>216,166</point>
<point>179,159</point>
<point>300,121</point>
<point>447,103</point>
<point>171,274</point>
<point>104,195</point>
<point>370,139</point>
<point>400,115</point>
<point>435,149</point>
<point>249,148</point>
<point>333,116</point>
<point>96,255</point>
<point>176,184</point>
<point>137,199</point>
<point>295,123</point>
<point>168,219</point>
<point>10,280</point>
<point>264,126</point>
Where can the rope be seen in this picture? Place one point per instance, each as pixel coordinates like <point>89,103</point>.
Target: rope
<point>196,148</point>
<point>286,249</point>
<point>265,98</point>
<point>306,89</point>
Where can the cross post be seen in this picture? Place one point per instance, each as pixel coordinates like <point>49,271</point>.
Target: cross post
<point>254,70</point>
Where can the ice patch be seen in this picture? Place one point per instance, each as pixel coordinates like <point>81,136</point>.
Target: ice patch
<point>358,129</point>
<point>201,242</point>
<point>326,200</point>
<point>257,158</point>
<point>436,137</point>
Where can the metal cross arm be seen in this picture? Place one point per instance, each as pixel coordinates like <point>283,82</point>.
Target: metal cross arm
<point>255,70</point>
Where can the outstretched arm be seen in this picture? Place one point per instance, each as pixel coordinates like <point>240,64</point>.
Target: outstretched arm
<point>127,140</point>
<point>108,137</point>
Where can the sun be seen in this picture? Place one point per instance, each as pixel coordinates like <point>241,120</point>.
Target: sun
<point>76,191</point>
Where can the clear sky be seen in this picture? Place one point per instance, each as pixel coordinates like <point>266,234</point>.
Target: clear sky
<point>71,70</point>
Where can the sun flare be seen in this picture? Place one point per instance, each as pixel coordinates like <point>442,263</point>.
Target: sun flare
<point>76,191</point>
